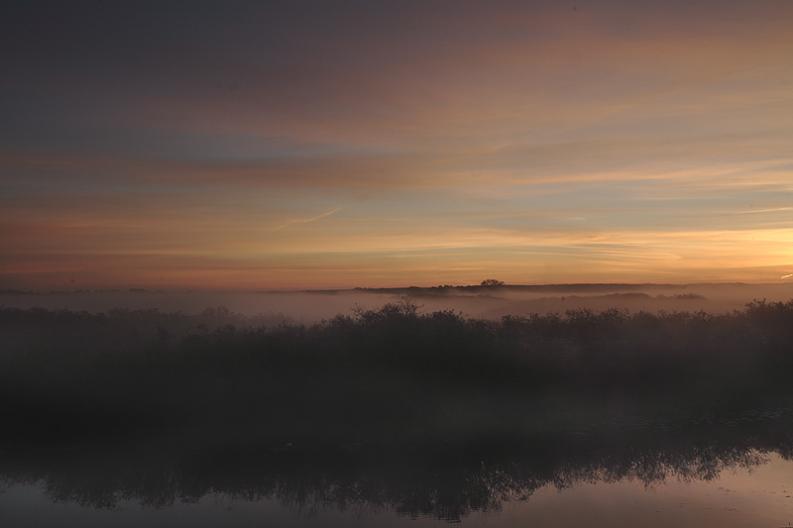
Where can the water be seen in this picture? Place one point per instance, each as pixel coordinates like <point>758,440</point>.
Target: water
<point>757,496</point>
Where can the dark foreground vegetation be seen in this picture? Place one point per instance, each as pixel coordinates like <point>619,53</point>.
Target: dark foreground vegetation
<point>423,413</point>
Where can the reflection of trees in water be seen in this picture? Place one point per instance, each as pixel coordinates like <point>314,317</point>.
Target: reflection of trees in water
<point>445,480</point>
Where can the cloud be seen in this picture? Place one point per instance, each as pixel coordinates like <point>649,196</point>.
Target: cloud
<point>768,210</point>
<point>300,221</point>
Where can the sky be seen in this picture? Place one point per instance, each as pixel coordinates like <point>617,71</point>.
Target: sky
<point>236,145</point>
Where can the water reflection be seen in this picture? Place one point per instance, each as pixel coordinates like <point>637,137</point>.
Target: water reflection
<point>448,479</point>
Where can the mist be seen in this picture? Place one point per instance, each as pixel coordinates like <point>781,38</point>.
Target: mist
<point>484,303</point>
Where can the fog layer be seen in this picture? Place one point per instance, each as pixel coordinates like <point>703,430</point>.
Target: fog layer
<point>487,303</point>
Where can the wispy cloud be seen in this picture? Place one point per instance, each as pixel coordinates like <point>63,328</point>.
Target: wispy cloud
<point>300,221</point>
<point>789,275</point>
<point>768,210</point>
